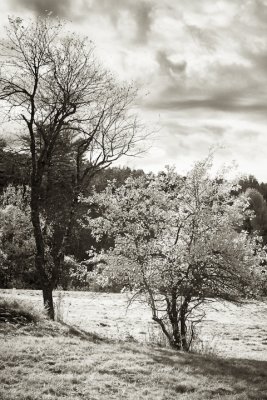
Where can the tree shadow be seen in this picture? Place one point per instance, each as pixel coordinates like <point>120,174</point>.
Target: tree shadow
<point>253,372</point>
<point>84,335</point>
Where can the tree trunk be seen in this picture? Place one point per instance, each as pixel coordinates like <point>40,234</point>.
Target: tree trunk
<point>183,311</point>
<point>173,317</point>
<point>59,251</point>
<point>40,259</point>
<point>183,333</point>
<point>48,301</point>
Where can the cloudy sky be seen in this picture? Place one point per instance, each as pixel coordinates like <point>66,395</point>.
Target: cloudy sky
<point>201,66</point>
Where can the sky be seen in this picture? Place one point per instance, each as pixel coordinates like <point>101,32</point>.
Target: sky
<point>200,66</point>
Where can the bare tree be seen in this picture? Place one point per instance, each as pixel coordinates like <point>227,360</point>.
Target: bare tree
<point>51,85</point>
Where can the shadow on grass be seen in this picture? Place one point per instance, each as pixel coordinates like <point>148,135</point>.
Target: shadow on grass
<point>213,365</point>
<point>251,374</point>
<point>84,335</point>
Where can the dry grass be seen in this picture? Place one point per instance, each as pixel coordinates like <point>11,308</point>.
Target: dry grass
<point>228,330</point>
<point>52,361</point>
<point>16,311</point>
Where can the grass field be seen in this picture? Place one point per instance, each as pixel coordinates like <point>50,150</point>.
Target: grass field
<point>228,330</point>
<point>54,361</point>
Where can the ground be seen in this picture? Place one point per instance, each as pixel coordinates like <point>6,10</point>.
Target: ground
<point>56,361</point>
<point>227,330</point>
<point>52,361</point>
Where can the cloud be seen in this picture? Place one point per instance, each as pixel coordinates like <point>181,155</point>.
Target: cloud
<point>60,8</point>
<point>168,66</point>
<point>202,63</point>
<point>206,38</point>
<point>260,11</point>
<point>219,87</point>
<point>141,13</point>
<point>219,103</point>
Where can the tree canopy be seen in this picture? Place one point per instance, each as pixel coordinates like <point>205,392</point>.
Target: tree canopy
<point>179,243</point>
<point>69,108</point>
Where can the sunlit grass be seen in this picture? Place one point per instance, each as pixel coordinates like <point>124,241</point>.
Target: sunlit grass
<point>48,360</point>
<point>228,330</point>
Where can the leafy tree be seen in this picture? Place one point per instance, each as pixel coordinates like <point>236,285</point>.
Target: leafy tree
<point>117,174</point>
<point>56,193</point>
<point>251,182</point>
<point>258,222</point>
<point>14,167</point>
<point>52,86</point>
<point>178,244</point>
<point>16,238</point>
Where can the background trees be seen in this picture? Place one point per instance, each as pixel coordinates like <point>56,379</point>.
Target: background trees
<point>16,239</point>
<point>53,88</point>
<point>54,201</point>
<point>179,244</point>
<point>258,223</point>
<point>177,239</point>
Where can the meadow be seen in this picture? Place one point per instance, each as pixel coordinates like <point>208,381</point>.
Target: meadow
<point>56,361</point>
<point>227,330</point>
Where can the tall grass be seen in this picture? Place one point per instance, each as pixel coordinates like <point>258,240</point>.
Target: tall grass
<point>13,309</point>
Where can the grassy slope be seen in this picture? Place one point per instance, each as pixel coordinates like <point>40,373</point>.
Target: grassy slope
<point>228,330</point>
<point>51,361</point>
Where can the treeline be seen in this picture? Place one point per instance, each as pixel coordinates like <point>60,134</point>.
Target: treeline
<point>17,251</point>
<point>257,194</point>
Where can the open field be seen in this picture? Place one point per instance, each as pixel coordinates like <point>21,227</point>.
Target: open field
<point>229,331</point>
<point>50,361</point>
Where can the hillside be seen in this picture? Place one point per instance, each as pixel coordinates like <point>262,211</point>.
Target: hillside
<point>46,360</point>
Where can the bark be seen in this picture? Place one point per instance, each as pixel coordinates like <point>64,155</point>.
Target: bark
<point>173,316</point>
<point>175,345</point>
<point>178,319</point>
<point>59,251</point>
<point>183,332</point>
<point>183,313</point>
<point>48,301</point>
<point>40,261</point>
<point>40,258</point>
